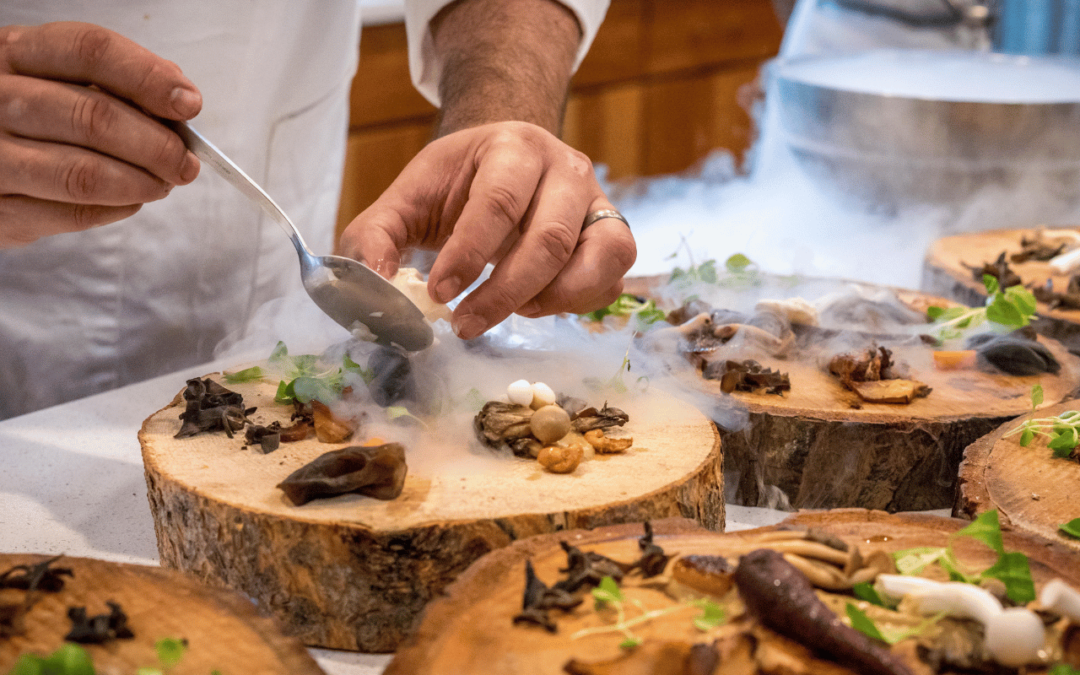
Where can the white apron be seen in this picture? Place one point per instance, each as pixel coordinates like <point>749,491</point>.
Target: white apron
<point>86,312</point>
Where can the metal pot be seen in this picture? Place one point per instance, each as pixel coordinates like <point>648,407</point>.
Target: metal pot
<point>893,127</point>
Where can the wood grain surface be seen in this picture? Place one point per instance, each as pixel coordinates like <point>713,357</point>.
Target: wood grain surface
<point>1031,489</point>
<point>470,632</point>
<point>353,572</point>
<point>223,629</point>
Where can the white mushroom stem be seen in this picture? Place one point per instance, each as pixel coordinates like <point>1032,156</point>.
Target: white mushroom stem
<point>1014,636</point>
<point>1066,263</point>
<point>1062,598</point>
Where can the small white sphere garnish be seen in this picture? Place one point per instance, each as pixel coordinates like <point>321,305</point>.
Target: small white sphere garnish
<point>1062,598</point>
<point>542,395</point>
<point>1015,636</point>
<point>520,392</point>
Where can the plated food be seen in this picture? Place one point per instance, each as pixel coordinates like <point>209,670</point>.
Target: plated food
<point>122,618</point>
<point>353,570</point>
<point>856,398</point>
<point>754,611</point>
<point>1032,482</point>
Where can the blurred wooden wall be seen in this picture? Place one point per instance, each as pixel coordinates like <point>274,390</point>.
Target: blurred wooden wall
<point>664,84</point>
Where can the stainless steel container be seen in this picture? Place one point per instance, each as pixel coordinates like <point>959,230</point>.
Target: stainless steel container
<point>903,126</point>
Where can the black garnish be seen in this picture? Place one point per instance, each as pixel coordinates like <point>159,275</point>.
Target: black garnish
<point>539,599</point>
<point>39,577</point>
<point>376,471</point>
<point>210,407</point>
<point>748,375</point>
<point>653,560</point>
<point>586,568</point>
<point>268,438</point>
<point>100,628</point>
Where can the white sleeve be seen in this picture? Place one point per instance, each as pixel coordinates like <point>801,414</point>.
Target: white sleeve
<point>426,69</point>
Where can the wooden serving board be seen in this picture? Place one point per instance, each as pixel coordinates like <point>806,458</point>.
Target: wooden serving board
<point>469,631</point>
<point>1031,489</point>
<point>224,631</point>
<point>821,447</point>
<point>354,572</point>
<point>945,273</point>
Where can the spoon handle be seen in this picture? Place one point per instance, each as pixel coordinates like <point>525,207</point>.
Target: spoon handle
<point>227,169</point>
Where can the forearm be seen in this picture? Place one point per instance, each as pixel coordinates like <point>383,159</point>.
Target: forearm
<point>504,60</point>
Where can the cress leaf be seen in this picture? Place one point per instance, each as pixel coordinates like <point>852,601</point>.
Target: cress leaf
<point>246,375</point>
<point>1013,570</point>
<point>396,412</point>
<point>862,623</point>
<point>707,272</point>
<point>987,529</point>
<point>279,353</point>
<point>285,393</point>
<point>1036,396</point>
<point>1004,312</point>
<point>1071,528</point>
<point>607,592</point>
<point>1063,669</point>
<point>712,615</point>
<point>914,560</point>
<point>737,263</point>
<point>1027,437</point>
<point>865,591</point>
<point>170,651</point>
<point>68,659</point>
<point>991,284</point>
<point>350,366</point>
<point>306,389</point>
<point>934,312</point>
<point>28,664</point>
<point>1064,440</point>
<point>1023,299</point>
<point>630,642</point>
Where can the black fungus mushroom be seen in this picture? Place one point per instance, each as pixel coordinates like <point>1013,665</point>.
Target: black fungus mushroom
<point>538,600</point>
<point>374,471</point>
<point>748,375</point>
<point>211,407</point>
<point>653,560</point>
<point>587,568</point>
<point>39,577</point>
<point>1016,353</point>
<point>268,438</point>
<point>999,269</point>
<point>590,418</point>
<point>100,628</point>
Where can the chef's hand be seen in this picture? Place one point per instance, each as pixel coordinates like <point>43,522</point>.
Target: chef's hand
<point>508,193</point>
<point>78,145</point>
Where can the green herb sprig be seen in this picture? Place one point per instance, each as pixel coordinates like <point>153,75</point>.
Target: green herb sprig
<point>305,378</point>
<point>1071,528</point>
<point>645,313</point>
<point>1011,568</point>
<point>608,594</point>
<point>1012,308</point>
<point>1063,430</point>
<point>865,625</point>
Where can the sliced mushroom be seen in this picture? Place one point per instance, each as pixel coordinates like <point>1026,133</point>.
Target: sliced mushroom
<point>606,445</point>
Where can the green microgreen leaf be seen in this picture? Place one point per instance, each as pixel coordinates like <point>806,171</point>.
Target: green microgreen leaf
<point>68,659</point>
<point>991,284</point>
<point>400,412</point>
<point>737,263</point>
<point>862,623</point>
<point>913,561</point>
<point>246,375</point>
<point>1036,396</point>
<point>607,592</point>
<point>1071,528</point>
<point>987,529</point>
<point>1063,669</point>
<point>865,591</point>
<point>285,393</point>
<point>307,389</point>
<point>1027,437</point>
<point>1004,312</point>
<point>279,353</point>
<point>350,366</point>
<point>630,642</point>
<point>170,651</point>
<point>934,312</point>
<point>1013,570</point>
<point>712,615</point>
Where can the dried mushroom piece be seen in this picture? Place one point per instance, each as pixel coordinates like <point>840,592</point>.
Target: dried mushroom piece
<point>375,471</point>
<point>590,418</point>
<point>658,657</point>
<point>268,438</point>
<point>504,426</point>
<point>587,568</point>
<point>873,377</point>
<point>330,428</point>
<point>100,628</point>
<point>999,269</point>
<point>748,376</point>
<point>1038,248</point>
<point>39,577</point>
<point>211,407</point>
<point>539,599</point>
<point>653,560</point>
<point>1070,299</point>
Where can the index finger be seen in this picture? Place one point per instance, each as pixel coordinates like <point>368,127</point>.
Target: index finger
<point>87,54</point>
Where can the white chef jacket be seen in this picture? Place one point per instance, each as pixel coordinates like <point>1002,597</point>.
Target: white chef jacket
<point>89,311</point>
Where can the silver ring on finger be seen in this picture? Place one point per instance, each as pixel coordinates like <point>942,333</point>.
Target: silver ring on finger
<point>602,214</point>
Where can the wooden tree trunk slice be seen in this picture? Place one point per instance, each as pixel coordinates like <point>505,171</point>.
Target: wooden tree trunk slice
<point>469,631</point>
<point>945,272</point>
<point>1032,490</point>
<point>354,572</point>
<point>819,446</point>
<point>224,631</point>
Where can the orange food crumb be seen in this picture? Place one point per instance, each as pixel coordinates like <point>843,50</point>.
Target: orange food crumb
<point>372,442</point>
<point>954,360</point>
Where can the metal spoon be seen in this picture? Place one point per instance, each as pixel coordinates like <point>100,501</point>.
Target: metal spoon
<point>345,289</point>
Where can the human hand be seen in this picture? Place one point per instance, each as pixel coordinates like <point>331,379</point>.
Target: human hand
<point>78,145</point>
<point>509,193</point>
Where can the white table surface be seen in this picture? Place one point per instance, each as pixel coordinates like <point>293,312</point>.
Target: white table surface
<point>72,482</point>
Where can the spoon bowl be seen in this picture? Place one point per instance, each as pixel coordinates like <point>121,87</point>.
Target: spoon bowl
<point>350,293</point>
